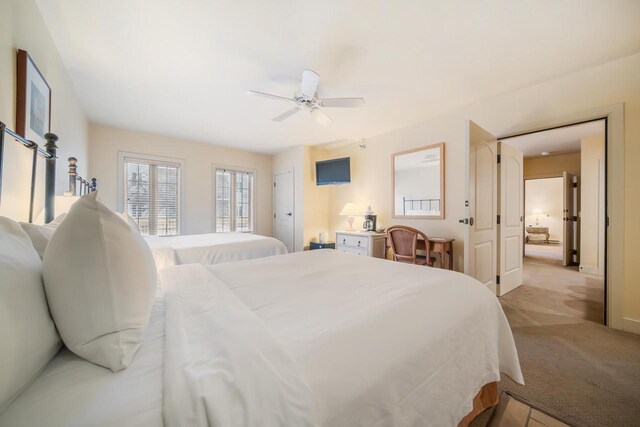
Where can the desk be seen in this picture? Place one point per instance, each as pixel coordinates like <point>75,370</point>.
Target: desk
<point>443,246</point>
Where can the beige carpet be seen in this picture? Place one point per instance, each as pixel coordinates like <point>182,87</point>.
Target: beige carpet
<point>572,365</point>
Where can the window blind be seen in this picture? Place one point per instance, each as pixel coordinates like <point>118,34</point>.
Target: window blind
<point>152,195</point>
<point>234,201</point>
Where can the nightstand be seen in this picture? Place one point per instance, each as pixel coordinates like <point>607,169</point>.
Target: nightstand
<point>361,243</point>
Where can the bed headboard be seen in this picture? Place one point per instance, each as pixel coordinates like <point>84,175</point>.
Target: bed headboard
<point>85,186</point>
<point>48,152</point>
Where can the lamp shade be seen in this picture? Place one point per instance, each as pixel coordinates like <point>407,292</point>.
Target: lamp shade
<point>351,209</point>
<point>63,203</point>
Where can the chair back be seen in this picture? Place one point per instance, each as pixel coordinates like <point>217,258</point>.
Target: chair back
<point>404,243</point>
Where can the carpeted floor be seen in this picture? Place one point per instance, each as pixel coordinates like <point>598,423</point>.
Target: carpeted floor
<point>572,364</point>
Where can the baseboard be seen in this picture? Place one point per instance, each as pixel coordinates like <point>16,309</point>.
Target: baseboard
<point>631,325</point>
<point>589,270</point>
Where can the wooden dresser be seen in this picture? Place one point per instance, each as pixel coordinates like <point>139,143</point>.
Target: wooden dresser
<point>361,243</point>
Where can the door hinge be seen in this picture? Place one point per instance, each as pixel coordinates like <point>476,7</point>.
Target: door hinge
<point>499,159</point>
<point>498,219</point>
<point>575,185</point>
<point>498,280</point>
<point>606,222</point>
<point>274,216</point>
<point>575,218</point>
<point>274,184</point>
<point>574,252</point>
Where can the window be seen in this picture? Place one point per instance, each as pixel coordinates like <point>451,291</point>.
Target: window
<point>234,201</point>
<point>152,195</point>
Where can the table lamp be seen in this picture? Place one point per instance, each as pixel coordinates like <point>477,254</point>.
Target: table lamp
<point>350,210</point>
<point>537,212</point>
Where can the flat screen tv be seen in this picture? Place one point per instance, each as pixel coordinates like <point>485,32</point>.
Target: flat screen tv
<point>335,171</point>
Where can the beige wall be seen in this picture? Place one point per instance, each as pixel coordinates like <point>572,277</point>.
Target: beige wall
<point>533,107</point>
<point>546,194</point>
<point>551,166</point>
<point>22,27</point>
<point>592,205</point>
<point>316,198</point>
<point>199,158</point>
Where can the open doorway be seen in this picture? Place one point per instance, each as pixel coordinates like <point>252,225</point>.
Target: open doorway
<point>564,222</point>
<point>544,218</point>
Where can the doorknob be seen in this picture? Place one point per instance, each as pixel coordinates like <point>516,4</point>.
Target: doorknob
<point>463,221</point>
<point>289,214</point>
<point>471,221</point>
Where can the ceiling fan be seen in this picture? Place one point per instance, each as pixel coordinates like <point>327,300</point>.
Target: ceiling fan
<point>306,98</point>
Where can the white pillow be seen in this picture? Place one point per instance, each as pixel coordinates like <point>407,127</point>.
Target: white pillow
<point>41,234</point>
<point>28,337</point>
<point>125,215</point>
<point>100,278</point>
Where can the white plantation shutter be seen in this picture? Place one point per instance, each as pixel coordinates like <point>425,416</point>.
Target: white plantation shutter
<point>234,201</point>
<point>152,195</point>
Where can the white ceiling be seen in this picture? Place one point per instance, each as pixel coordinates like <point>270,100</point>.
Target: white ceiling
<point>417,159</point>
<point>181,68</point>
<point>556,141</point>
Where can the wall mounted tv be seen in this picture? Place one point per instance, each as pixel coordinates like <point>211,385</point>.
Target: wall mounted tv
<point>335,171</point>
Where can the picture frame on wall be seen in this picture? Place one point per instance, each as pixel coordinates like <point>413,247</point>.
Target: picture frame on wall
<point>33,105</point>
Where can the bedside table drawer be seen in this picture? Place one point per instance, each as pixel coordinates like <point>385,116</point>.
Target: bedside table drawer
<point>353,241</point>
<point>352,250</point>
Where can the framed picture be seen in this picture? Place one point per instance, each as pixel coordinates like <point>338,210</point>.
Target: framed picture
<point>33,109</point>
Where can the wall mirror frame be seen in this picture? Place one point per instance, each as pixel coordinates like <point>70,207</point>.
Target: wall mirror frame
<point>416,192</point>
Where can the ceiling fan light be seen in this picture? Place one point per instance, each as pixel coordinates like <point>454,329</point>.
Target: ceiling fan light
<point>320,116</point>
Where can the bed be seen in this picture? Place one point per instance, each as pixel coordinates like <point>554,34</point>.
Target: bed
<point>320,337</point>
<point>212,248</point>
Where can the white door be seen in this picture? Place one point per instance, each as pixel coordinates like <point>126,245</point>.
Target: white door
<point>568,223</point>
<point>283,208</point>
<point>481,232</point>
<point>511,208</point>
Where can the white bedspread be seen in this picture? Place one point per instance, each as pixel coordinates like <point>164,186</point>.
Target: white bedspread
<point>320,338</point>
<point>213,248</point>
<point>72,392</point>
<point>223,367</point>
<point>379,343</point>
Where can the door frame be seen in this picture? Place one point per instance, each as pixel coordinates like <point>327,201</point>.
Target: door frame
<point>614,201</point>
<point>293,205</point>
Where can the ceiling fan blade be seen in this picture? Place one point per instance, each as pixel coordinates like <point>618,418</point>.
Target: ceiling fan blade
<point>320,116</point>
<point>342,102</point>
<point>269,96</point>
<point>286,115</point>
<point>309,85</point>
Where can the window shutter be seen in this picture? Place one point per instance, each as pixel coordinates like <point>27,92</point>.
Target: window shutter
<point>152,196</point>
<point>223,201</point>
<point>234,201</point>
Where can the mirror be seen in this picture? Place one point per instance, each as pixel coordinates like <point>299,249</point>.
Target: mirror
<point>418,183</point>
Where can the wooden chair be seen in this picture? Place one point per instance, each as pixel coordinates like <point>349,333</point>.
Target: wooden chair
<point>404,244</point>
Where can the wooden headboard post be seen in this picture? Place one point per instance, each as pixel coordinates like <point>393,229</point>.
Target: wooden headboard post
<point>85,185</point>
<point>73,175</point>
<point>50,177</point>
